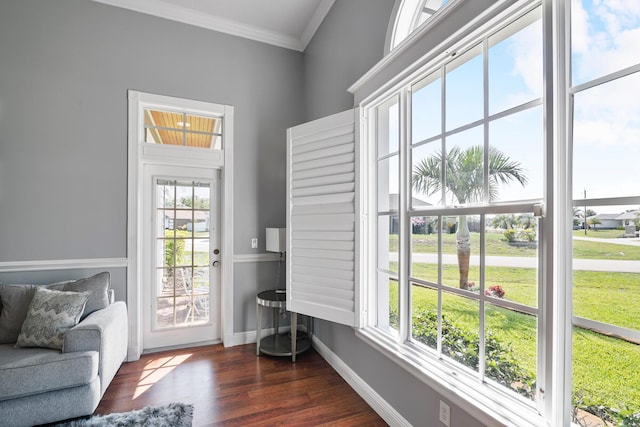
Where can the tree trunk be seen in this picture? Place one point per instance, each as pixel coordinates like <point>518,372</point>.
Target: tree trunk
<point>463,246</point>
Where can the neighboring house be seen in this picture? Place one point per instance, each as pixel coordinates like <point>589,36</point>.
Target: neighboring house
<point>184,219</point>
<point>630,221</point>
<point>394,201</point>
<point>607,221</point>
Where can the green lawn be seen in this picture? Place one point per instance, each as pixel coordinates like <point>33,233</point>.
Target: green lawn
<point>496,245</point>
<point>601,234</point>
<point>595,293</point>
<point>604,368</point>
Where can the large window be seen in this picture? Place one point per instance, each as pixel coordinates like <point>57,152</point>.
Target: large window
<point>465,285</point>
<point>466,276</point>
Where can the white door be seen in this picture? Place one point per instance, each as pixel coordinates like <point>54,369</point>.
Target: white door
<point>181,256</point>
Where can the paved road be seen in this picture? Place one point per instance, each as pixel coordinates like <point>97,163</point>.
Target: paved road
<point>620,266</point>
<point>528,262</point>
<point>628,242</point>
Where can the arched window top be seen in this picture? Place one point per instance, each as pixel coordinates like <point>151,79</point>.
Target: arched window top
<point>409,15</point>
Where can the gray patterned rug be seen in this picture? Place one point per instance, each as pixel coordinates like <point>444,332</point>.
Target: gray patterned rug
<point>171,415</point>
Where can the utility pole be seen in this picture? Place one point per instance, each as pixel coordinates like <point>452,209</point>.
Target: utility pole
<point>585,211</point>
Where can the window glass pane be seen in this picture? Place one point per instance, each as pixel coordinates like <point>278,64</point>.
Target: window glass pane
<point>607,265</point>
<point>605,139</point>
<point>606,274</point>
<point>516,145</point>
<point>605,379</point>
<point>460,329</point>
<point>166,195</point>
<point>424,248</point>
<point>388,132</point>
<point>388,303</point>
<point>203,124</point>
<point>605,37</point>
<point>165,137</point>
<point>388,242</point>
<point>511,258</point>
<point>426,178</point>
<point>464,181</point>
<point>388,185</point>
<point>460,252</point>
<point>426,108</point>
<point>201,252</point>
<point>424,315</point>
<point>464,89</point>
<point>184,195</point>
<point>179,129</point>
<point>515,64</point>
<point>163,119</point>
<point>511,350</point>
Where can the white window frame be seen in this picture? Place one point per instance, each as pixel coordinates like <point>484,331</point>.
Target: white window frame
<point>406,19</point>
<point>485,403</point>
<point>141,153</point>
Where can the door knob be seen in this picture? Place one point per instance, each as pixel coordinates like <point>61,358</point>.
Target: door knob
<point>215,263</point>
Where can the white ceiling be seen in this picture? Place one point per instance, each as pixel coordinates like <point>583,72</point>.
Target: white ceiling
<point>285,23</point>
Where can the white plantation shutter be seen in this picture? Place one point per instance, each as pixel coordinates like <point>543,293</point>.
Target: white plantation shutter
<point>322,208</point>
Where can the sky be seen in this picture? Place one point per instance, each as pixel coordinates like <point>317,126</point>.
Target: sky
<point>605,38</point>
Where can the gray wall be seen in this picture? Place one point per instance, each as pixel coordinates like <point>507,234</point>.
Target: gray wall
<point>65,68</point>
<point>349,42</point>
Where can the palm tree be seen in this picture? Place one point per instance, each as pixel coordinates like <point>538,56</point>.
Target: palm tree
<point>463,180</point>
<point>594,222</point>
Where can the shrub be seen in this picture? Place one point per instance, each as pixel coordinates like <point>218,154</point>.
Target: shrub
<point>623,417</point>
<point>510,235</point>
<point>528,235</point>
<point>463,346</point>
<point>173,250</point>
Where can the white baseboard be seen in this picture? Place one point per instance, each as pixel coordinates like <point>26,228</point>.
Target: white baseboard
<point>381,406</point>
<point>249,337</point>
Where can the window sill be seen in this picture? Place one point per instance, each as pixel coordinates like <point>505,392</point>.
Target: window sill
<point>486,404</point>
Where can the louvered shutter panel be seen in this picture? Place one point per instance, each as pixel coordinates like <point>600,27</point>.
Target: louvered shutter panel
<point>322,207</point>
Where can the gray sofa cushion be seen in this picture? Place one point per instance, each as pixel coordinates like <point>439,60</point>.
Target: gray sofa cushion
<point>15,303</point>
<point>97,286</point>
<point>50,315</point>
<point>25,371</point>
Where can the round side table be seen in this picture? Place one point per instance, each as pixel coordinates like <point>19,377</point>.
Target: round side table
<point>279,344</point>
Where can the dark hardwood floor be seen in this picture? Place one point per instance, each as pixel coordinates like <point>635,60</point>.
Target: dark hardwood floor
<point>234,387</point>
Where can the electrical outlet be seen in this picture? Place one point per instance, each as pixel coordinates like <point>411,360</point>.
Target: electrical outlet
<point>254,243</point>
<point>445,413</point>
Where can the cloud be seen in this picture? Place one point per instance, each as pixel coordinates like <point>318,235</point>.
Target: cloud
<point>605,38</point>
<point>527,51</point>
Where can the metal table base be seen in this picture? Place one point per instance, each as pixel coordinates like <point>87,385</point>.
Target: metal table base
<point>286,344</point>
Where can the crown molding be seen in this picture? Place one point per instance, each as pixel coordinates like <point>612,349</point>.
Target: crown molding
<point>318,16</point>
<point>185,15</point>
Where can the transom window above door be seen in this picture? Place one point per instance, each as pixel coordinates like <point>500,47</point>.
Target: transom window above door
<point>182,129</point>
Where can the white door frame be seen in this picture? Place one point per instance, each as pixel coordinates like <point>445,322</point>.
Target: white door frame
<point>140,153</point>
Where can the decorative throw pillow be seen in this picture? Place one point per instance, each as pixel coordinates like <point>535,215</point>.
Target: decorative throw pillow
<point>15,303</point>
<point>97,286</point>
<point>50,315</point>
